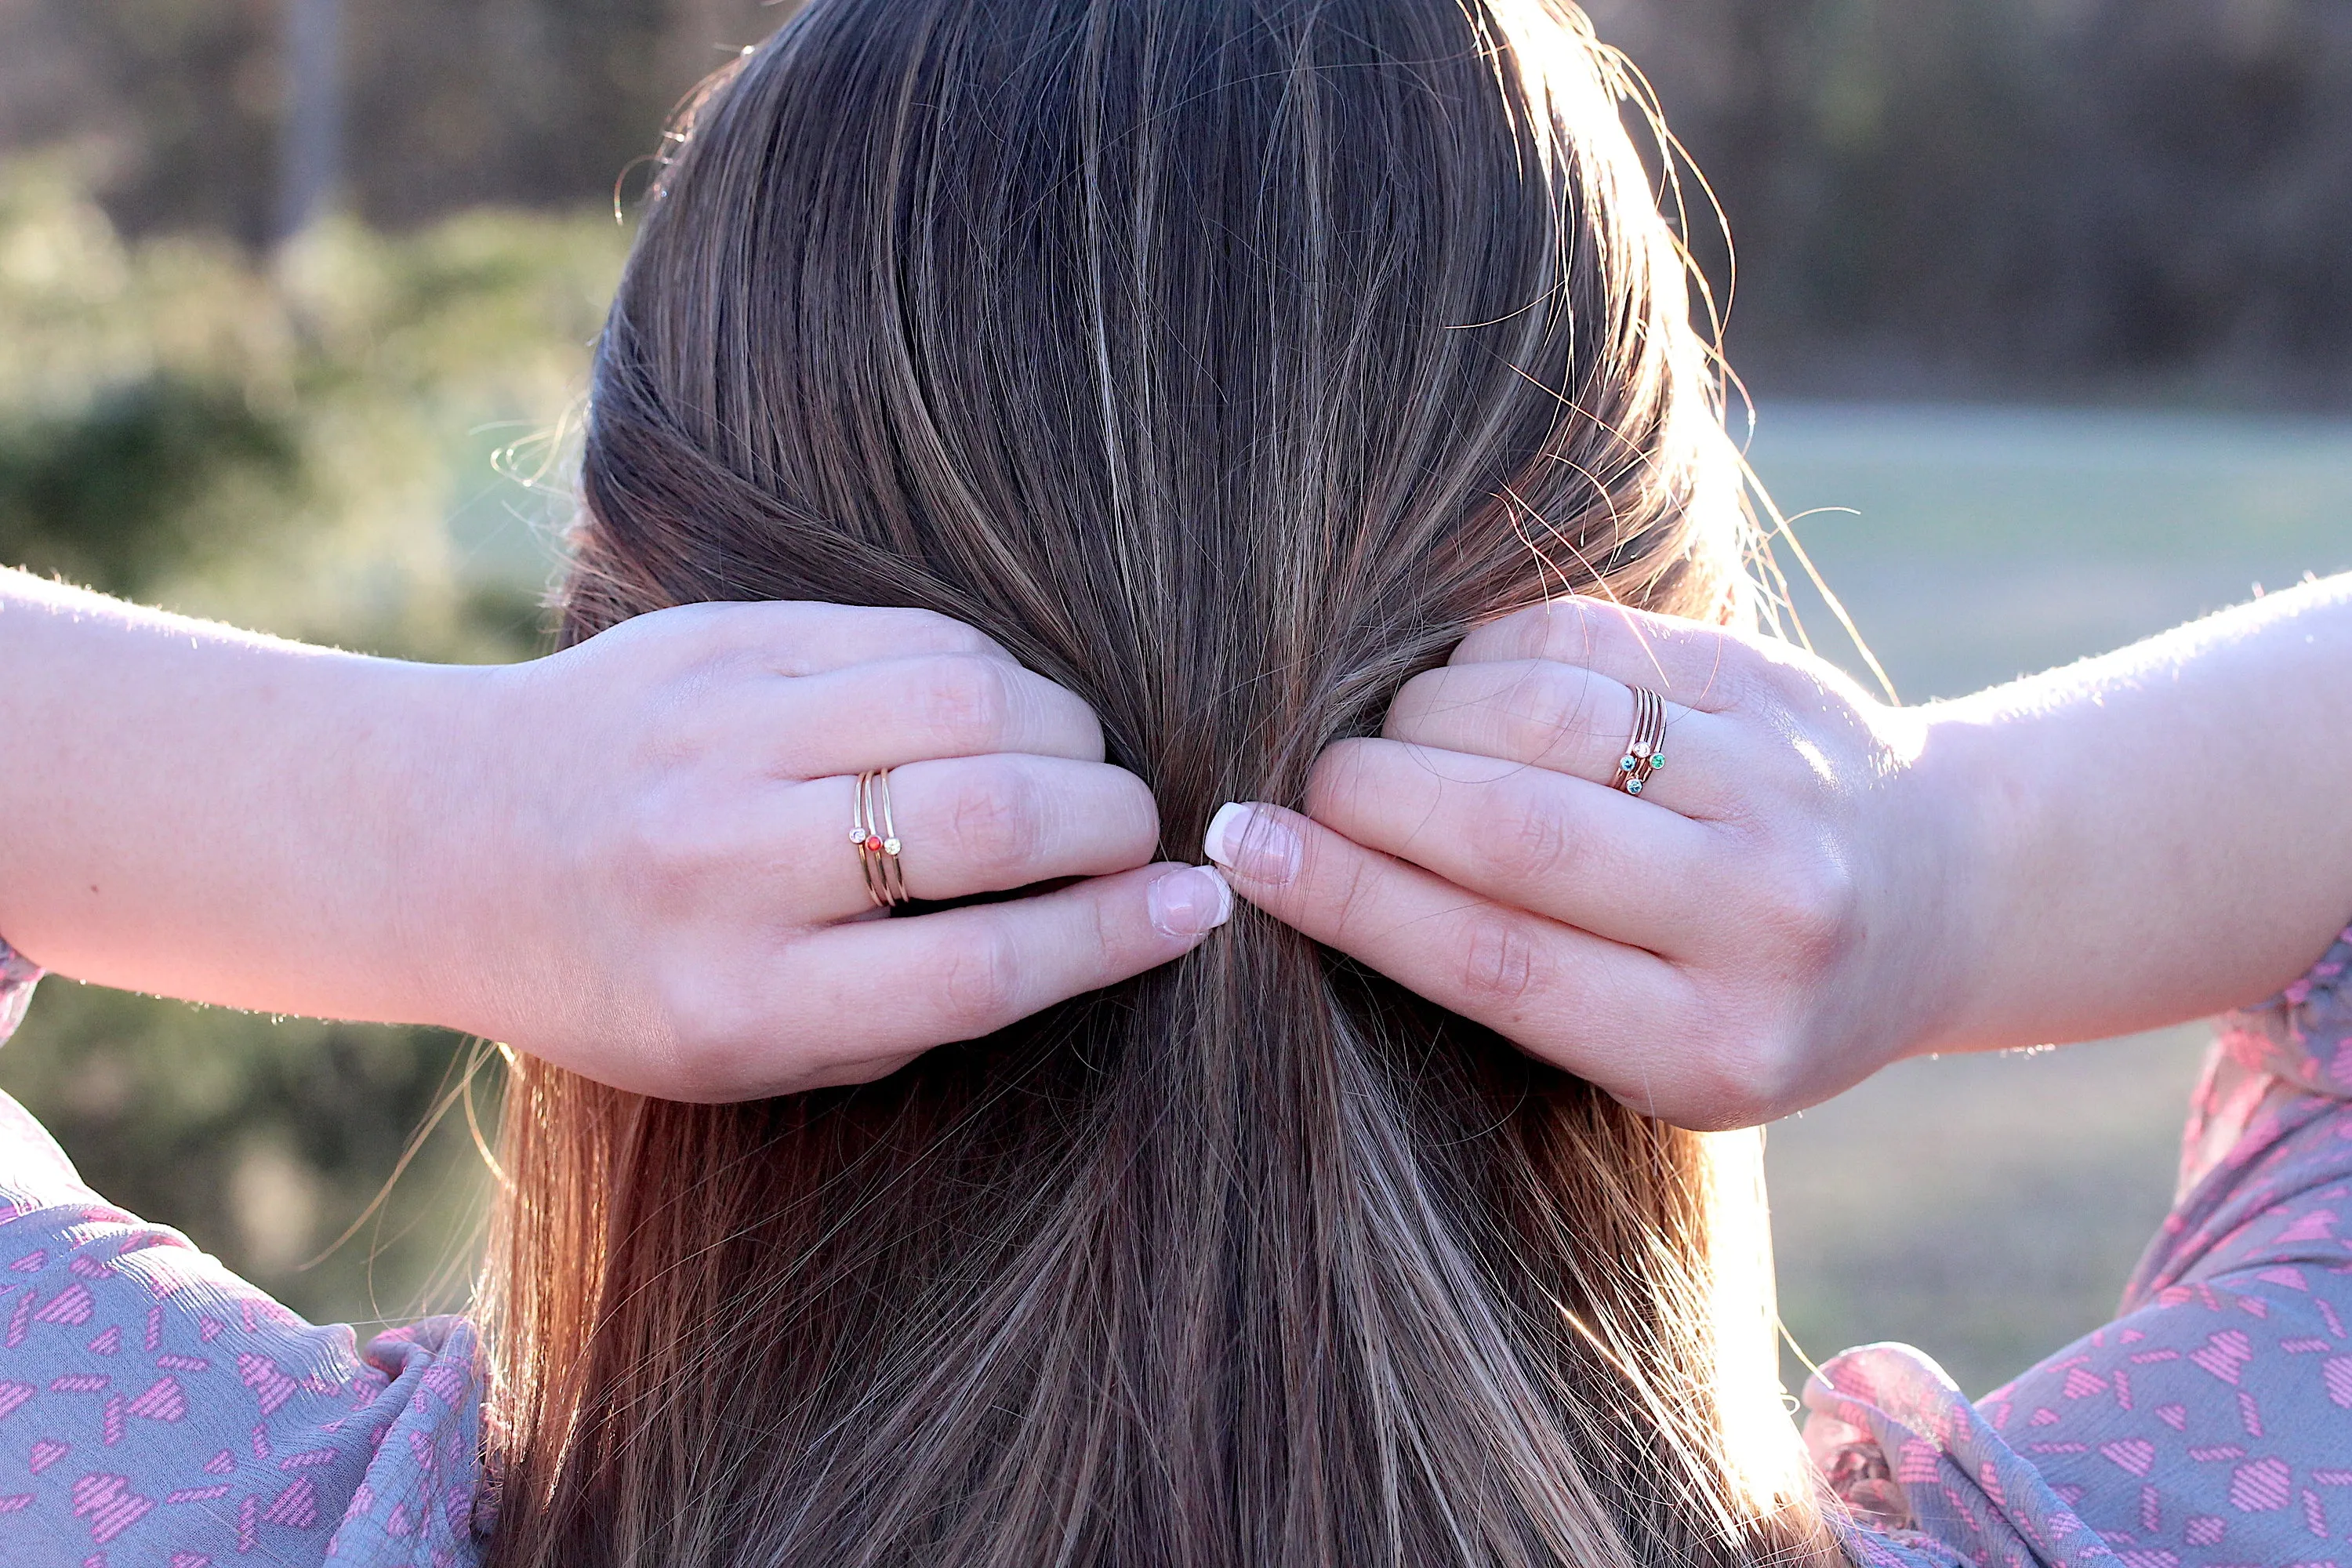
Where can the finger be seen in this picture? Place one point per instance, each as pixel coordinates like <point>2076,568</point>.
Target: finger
<point>800,637</point>
<point>1561,995</point>
<point>963,973</point>
<point>974,825</point>
<point>1697,666</point>
<point>1541,841</point>
<point>1567,719</point>
<point>883,714</point>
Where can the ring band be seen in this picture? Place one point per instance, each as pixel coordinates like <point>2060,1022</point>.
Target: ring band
<point>1645,752</point>
<point>875,831</point>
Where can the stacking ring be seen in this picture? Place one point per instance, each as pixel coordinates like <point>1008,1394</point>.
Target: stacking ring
<point>1645,752</point>
<point>875,832</point>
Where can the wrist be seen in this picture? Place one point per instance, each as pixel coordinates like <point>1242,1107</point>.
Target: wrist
<point>1974,822</point>
<point>445,870</point>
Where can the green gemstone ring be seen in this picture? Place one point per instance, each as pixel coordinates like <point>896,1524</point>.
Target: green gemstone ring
<point>1645,751</point>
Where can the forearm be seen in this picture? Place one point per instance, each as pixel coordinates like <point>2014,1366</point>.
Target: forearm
<point>203,813</point>
<point>2152,836</point>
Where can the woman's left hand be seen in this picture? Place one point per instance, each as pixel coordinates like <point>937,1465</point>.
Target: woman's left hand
<point>1761,929</point>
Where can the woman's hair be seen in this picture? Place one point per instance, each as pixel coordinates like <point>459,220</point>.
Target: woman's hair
<point>1225,360</point>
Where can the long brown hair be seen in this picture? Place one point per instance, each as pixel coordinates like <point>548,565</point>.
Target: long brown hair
<point>1225,360</point>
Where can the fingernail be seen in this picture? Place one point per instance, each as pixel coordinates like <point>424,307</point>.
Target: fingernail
<point>1190,902</point>
<point>1258,845</point>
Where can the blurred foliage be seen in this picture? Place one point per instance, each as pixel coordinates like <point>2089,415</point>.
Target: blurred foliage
<point>103,496</point>
<point>304,445</point>
<point>452,104</point>
<point>2148,196</point>
<point>345,446</point>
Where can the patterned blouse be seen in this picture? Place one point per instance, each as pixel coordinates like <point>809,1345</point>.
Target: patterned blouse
<point>155,1409</point>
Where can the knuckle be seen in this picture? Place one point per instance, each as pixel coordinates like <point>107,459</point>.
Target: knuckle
<point>1130,808</point>
<point>715,1045</point>
<point>967,700</point>
<point>1774,681</point>
<point>942,634</point>
<point>979,987</point>
<point>1115,939</point>
<point>1546,711</point>
<point>723,648</point>
<point>1353,896</point>
<point>1561,630</point>
<point>997,823</point>
<point>1501,967</point>
<point>1739,1076</point>
<point>665,844</point>
<point>1335,777</point>
<point>1811,911</point>
<point>1538,846</point>
<point>1734,681</point>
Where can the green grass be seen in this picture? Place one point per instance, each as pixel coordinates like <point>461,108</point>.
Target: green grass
<point>1977,544</point>
<point>1989,1209</point>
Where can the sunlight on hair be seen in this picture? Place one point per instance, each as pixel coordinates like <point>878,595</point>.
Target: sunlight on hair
<point>1766,1461</point>
<point>1226,365</point>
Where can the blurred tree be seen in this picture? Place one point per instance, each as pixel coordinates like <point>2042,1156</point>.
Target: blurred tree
<point>2023,195</point>
<point>447,103</point>
<point>2010,194</point>
<point>311,154</point>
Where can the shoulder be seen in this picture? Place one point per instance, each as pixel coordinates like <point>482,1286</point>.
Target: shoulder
<point>425,1495</point>
<point>154,1405</point>
<point>2210,1417</point>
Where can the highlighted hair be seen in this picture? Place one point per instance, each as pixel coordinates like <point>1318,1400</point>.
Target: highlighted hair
<point>1225,360</point>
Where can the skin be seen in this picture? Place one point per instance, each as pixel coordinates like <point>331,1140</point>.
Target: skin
<point>629,858</point>
<point>1817,884</point>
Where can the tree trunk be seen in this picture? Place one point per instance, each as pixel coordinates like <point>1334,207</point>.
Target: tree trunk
<point>311,156</point>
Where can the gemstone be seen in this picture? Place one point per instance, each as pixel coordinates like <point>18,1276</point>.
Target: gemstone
<point>874,841</point>
<point>1634,786</point>
<point>1657,759</point>
<point>858,835</point>
<point>889,846</point>
<point>1628,761</point>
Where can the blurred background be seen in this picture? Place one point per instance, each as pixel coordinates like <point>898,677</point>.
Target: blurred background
<point>2046,305</point>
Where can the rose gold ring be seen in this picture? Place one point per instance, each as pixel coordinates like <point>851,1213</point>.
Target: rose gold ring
<point>1645,752</point>
<point>875,832</point>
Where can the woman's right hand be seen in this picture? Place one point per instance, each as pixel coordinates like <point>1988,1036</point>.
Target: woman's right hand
<point>644,871</point>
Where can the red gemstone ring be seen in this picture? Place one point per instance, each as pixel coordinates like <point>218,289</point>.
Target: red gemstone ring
<point>875,832</point>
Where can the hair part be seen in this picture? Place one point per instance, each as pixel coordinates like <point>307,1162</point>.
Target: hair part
<point>1226,359</point>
